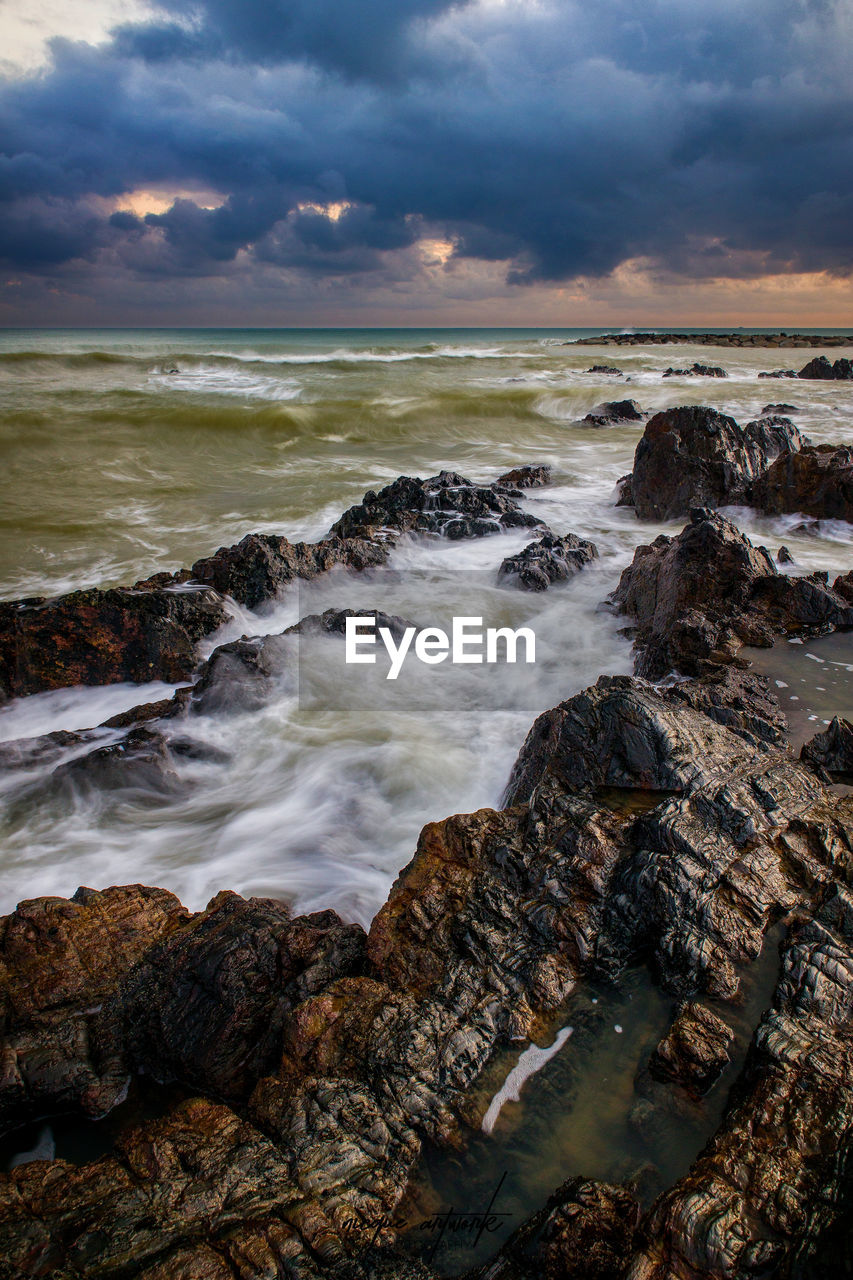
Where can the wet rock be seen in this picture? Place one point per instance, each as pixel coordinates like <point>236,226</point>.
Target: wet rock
<point>605,368</point>
<point>603,415</point>
<point>820,368</point>
<point>697,456</point>
<point>778,409</point>
<point>551,559</point>
<point>779,373</point>
<point>584,1232</point>
<point>767,1187</point>
<point>162,709</point>
<point>832,750</point>
<point>528,477</point>
<point>446,504</point>
<point>258,568</point>
<point>60,960</point>
<point>697,598</point>
<point>207,1006</point>
<point>140,761</point>
<point>843,586</point>
<point>697,371</point>
<point>783,556</point>
<point>817,482</point>
<point>104,637</point>
<point>695,1050</point>
<point>333,622</point>
<point>237,676</point>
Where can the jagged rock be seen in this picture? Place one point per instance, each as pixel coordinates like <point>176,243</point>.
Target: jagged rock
<point>695,1050</point>
<point>605,368</point>
<point>256,569</point>
<point>584,1232</point>
<point>843,586</point>
<point>446,504</point>
<point>162,709</point>
<point>817,482</point>
<point>697,371</point>
<point>140,760</point>
<point>613,411</point>
<point>769,1184</point>
<point>528,477</point>
<point>779,373</point>
<point>60,960</point>
<point>207,1006</point>
<point>832,750</point>
<point>779,408</point>
<point>784,556</point>
<point>237,675</point>
<point>549,560</point>
<point>333,622</point>
<point>696,599</point>
<point>696,456</point>
<point>820,368</point>
<point>103,637</point>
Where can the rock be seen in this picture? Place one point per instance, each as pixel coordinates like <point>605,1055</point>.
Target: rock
<point>817,482</point>
<point>696,599</point>
<point>778,408</point>
<point>613,411</point>
<point>843,586</point>
<point>784,556</point>
<point>832,750</point>
<point>256,569</point>
<point>736,339</point>
<point>766,1188</point>
<point>605,368</point>
<point>237,676</point>
<point>549,560</point>
<point>60,961</point>
<point>697,456</point>
<point>140,761</point>
<point>697,371</point>
<point>585,1231</point>
<point>104,637</point>
<point>820,368</point>
<point>207,1006</point>
<point>528,477</point>
<point>779,373</point>
<point>695,1050</point>
<point>446,504</point>
<point>334,622</point>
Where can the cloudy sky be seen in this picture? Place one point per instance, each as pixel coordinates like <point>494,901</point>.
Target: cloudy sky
<point>422,162</point>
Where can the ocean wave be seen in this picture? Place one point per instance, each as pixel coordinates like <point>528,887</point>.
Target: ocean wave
<point>228,382</point>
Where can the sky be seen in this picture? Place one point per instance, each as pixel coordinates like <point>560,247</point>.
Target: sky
<point>421,162</point>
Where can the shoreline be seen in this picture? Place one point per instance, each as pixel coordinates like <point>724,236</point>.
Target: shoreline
<point>705,339</point>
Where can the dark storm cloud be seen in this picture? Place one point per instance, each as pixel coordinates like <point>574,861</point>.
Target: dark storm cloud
<point>708,136</point>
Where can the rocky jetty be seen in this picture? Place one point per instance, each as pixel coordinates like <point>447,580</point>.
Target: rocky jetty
<point>722,339</point>
<point>821,369</point>
<point>697,371</point>
<point>697,598</point>
<point>696,456</point>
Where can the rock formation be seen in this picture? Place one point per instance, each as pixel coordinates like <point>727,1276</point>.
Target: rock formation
<point>549,560</point>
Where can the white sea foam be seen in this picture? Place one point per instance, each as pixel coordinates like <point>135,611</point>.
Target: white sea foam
<point>532,1060</point>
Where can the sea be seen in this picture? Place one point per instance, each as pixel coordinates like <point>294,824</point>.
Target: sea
<point>130,451</point>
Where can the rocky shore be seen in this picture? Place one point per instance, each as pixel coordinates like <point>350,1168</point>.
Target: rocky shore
<point>305,1066</point>
<point>716,340</point>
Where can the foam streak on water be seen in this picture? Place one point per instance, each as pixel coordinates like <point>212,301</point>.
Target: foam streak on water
<point>118,467</point>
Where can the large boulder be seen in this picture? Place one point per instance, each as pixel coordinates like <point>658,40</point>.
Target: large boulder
<point>697,598</point>
<point>818,481</point>
<point>695,456</point>
<point>695,1050</point>
<point>604,415</point>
